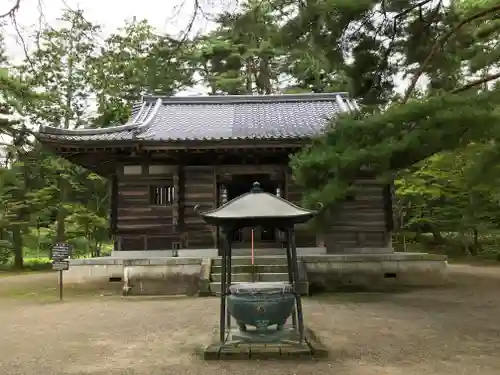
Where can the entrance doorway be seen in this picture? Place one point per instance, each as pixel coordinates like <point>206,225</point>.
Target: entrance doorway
<point>241,184</point>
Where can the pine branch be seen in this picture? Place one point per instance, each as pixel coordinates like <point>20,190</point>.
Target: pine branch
<point>440,43</point>
<point>12,10</point>
<point>477,82</point>
<point>406,11</point>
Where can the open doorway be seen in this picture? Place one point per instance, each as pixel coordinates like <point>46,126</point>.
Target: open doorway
<point>241,184</point>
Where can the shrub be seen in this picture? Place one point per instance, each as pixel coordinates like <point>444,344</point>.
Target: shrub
<point>5,251</point>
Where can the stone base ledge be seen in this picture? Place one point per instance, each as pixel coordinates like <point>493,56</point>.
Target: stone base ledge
<point>392,257</point>
<point>157,276</point>
<point>361,250</point>
<point>316,258</point>
<point>136,262</point>
<point>329,272</point>
<point>375,272</point>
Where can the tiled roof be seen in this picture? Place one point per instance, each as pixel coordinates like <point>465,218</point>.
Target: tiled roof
<point>220,117</point>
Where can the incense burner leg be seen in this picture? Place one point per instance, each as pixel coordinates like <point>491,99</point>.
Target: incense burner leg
<point>242,326</point>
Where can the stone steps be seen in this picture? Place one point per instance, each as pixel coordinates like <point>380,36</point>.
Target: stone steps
<point>248,268</point>
<point>279,251</point>
<point>271,260</point>
<point>248,277</point>
<point>265,269</point>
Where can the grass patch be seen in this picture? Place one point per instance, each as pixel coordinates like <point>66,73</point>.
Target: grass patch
<point>35,264</point>
<point>11,272</point>
<point>48,290</point>
<point>487,254</point>
<point>474,261</point>
<point>42,286</point>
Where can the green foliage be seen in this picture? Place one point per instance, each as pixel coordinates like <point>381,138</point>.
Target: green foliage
<point>135,61</point>
<point>5,251</point>
<point>440,146</point>
<point>60,68</point>
<point>443,192</point>
<point>393,140</point>
<point>243,55</point>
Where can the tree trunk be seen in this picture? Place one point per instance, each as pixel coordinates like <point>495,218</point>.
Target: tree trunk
<point>61,213</point>
<point>248,77</point>
<point>17,243</point>
<point>474,250</point>
<point>418,235</point>
<point>464,242</point>
<point>438,237</point>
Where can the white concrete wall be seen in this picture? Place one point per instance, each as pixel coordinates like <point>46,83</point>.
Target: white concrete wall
<point>83,273</point>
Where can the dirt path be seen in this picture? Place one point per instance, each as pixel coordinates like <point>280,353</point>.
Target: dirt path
<point>450,331</point>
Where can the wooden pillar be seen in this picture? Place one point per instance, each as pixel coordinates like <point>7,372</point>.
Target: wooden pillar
<point>176,204</point>
<point>180,199</point>
<point>114,205</point>
<point>228,278</point>
<point>113,214</point>
<point>389,213</point>
<point>117,245</point>
<point>221,182</point>
<point>296,281</point>
<point>291,270</point>
<point>223,288</point>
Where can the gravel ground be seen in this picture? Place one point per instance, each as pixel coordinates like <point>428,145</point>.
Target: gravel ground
<point>453,330</point>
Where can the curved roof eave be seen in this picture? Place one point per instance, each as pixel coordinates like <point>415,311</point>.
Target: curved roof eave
<point>138,122</point>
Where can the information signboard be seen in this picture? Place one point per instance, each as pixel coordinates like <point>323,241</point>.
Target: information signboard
<point>60,265</point>
<point>61,252</point>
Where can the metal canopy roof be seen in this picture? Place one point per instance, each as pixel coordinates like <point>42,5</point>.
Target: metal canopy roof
<point>257,207</point>
<point>241,117</point>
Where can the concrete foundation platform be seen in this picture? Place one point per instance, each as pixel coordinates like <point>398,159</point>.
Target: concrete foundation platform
<point>288,348</point>
<point>317,272</point>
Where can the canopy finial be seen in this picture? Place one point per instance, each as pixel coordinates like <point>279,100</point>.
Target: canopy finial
<point>256,188</point>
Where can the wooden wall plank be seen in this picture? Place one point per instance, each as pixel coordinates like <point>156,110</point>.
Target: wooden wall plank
<point>199,189</point>
<point>304,235</point>
<point>363,218</point>
<point>137,218</point>
<point>113,215</point>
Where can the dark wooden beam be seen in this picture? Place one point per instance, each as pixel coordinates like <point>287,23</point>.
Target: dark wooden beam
<point>181,202</point>
<point>114,205</point>
<point>388,209</point>
<point>173,145</point>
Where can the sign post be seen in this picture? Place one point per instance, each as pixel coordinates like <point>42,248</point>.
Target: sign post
<point>61,253</point>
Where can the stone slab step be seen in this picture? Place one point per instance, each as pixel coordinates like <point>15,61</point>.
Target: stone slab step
<point>247,277</point>
<point>215,287</point>
<point>259,260</point>
<point>261,268</point>
<point>259,252</point>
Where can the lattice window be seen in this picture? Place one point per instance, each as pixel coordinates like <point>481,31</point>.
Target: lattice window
<point>132,170</point>
<point>161,195</point>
